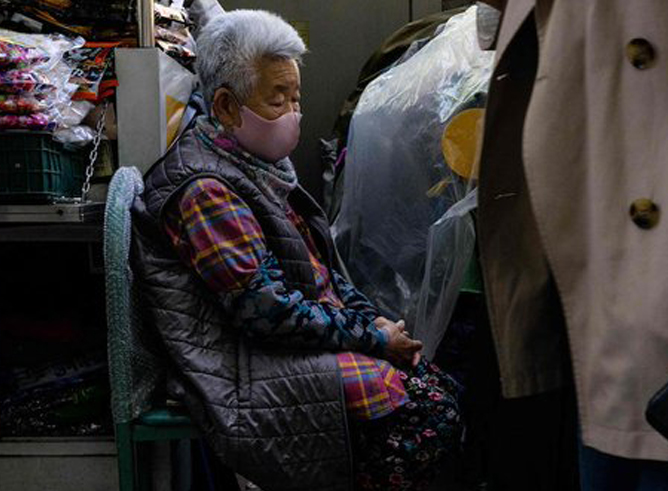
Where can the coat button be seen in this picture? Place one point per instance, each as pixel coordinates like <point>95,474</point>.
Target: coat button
<point>641,53</point>
<point>645,213</point>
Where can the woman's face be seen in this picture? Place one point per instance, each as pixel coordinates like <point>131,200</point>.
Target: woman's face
<point>278,89</point>
<point>276,93</point>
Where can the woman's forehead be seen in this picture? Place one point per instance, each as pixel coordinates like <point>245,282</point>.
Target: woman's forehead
<point>279,75</point>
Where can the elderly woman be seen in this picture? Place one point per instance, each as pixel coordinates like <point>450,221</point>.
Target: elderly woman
<point>292,375</point>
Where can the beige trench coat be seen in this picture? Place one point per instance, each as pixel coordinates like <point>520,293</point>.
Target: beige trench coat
<point>571,143</point>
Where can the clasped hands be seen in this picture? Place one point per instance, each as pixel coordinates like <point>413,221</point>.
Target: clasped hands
<point>401,350</point>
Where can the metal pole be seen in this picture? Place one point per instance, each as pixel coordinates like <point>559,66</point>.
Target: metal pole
<point>146,23</point>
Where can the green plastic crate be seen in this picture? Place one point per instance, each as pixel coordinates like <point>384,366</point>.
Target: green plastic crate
<point>36,169</point>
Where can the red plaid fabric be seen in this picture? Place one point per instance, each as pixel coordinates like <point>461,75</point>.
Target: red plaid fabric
<point>373,387</point>
<point>215,231</point>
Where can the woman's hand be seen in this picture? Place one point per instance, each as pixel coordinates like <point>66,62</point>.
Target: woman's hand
<point>400,350</point>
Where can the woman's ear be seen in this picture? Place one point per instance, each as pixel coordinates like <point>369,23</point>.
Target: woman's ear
<point>226,109</point>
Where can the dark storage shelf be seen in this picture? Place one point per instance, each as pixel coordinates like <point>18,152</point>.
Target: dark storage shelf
<point>51,223</point>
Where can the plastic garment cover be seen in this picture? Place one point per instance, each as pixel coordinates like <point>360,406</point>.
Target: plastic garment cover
<point>398,184</point>
<point>450,249</point>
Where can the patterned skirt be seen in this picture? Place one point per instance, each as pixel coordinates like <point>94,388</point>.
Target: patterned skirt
<point>406,449</point>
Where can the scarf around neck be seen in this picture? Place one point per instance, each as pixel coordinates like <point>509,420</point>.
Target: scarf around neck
<point>275,180</point>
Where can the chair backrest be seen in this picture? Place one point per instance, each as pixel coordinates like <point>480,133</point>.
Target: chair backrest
<point>135,373</point>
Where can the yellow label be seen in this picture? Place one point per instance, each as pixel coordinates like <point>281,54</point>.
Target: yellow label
<point>460,142</point>
<point>174,110</point>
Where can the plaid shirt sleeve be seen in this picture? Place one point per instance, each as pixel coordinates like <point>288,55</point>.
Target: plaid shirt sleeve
<point>373,387</point>
<point>216,232</point>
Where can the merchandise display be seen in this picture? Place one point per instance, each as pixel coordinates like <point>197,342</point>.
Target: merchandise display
<point>91,63</point>
<point>35,86</point>
<point>33,122</point>
<point>166,15</point>
<point>54,89</point>
<point>99,20</point>
<point>26,81</point>
<point>172,33</point>
<point>19,57</point>
<point>23,104</point>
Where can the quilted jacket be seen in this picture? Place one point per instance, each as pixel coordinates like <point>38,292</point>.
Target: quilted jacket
<point>274,415</point>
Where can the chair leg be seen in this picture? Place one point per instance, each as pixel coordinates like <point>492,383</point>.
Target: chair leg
<point>144,462</point>
<point>125,449</point>
<point>181,465</point>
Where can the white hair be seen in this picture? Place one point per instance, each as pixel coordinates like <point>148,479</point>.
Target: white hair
<point>230,46</point>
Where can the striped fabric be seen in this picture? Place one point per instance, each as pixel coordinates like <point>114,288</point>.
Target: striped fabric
<point>321,274</point>
<point>215,231</point>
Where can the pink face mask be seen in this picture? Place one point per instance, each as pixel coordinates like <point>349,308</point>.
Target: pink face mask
<point>270,140</point>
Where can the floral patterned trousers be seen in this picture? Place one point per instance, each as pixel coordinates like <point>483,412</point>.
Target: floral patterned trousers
<point>406,449</point>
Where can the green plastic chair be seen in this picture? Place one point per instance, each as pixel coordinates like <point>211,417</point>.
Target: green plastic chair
<point>136,374</point>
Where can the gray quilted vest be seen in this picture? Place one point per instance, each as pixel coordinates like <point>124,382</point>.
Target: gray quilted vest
<point>274,415</point>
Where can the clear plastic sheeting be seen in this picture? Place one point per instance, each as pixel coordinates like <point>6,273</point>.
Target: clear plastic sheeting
<point>449,251</point>
<point>398,184</point>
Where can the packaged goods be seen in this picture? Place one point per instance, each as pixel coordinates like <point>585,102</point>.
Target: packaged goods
<point>23,104</point>
<point>90,65</point>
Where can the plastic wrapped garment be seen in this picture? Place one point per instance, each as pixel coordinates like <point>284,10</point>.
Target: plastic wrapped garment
<point>397,182</point>
<point>450,247</point>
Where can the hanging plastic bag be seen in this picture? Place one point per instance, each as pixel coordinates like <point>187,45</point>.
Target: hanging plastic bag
<point>397,182</point>
<point>76,136</point>
<point>74,113</point>
<point>449,251</point>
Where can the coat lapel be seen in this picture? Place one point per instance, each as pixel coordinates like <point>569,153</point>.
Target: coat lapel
<point>514,16</point>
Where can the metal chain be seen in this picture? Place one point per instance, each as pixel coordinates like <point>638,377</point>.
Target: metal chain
<point>92,158</point>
